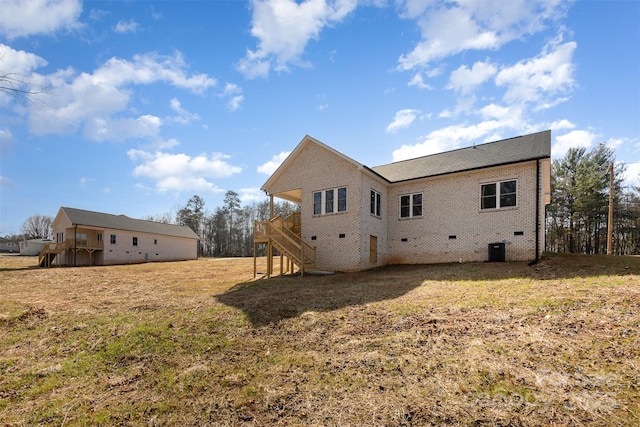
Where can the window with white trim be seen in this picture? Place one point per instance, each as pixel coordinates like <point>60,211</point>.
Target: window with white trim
<point>411,205</point>
<point>330,201</point>
<point>497,195</point>
<point>376,199</point>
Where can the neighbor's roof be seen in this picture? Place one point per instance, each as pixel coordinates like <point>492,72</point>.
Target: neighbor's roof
<point>123,222</point>
<point>504,152</point>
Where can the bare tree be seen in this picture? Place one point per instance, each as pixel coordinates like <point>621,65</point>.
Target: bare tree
<point>37,227</point>
<point>12,84</point>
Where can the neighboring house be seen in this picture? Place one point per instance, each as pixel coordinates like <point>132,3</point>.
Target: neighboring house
<point>10,246</point>
<point>481,203</point>
<point>94,238</point>
<point>33,247</point>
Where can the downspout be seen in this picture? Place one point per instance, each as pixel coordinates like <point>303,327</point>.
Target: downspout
<point>537,258</point>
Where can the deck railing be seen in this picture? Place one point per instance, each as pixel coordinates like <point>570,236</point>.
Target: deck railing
<point>285,236</point>
<point>56,248</point>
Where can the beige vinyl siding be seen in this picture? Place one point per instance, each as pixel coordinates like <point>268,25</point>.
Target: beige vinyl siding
<point>168,248</point>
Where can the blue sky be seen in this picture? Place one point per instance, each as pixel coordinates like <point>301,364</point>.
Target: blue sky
<point>146,103</point>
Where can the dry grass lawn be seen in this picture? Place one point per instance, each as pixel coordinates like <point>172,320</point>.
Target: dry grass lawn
<point>202,343</point>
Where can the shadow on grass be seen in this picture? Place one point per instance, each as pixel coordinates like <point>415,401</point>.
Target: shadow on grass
<point>270,300</point>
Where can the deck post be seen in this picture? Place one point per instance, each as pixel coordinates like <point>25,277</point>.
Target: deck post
<point>255,267</point>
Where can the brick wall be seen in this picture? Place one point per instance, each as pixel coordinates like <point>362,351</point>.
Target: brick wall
<point>453,227</point>
<point>316,169</point>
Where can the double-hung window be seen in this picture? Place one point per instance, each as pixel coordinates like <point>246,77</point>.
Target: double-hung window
<point>134,241</point>
<point>411,205</point>
<point>375,203</point>
<point>330,201</point>
<point>496,195</point>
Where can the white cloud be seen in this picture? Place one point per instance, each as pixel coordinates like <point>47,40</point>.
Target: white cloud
<point>20,63</point>
<point>250,195</point>
<point>120,129</point>
<point>99,102</point>
<point>233,94</point>
<point>184,117</point>
<point>418,81</point>
<point>632,175</point>
<point>450,138</point>
<point>98,14</point>
<point>181,172</point>
<point>84,181</point>
<point>573,139</point>
<point>5,182</point>
<point>283,29</point>
<point>21,18</point>
<point>464,80</point>
<point>561,125</point>
<point>449,28</point>
<point>535,80</point>
<point>273,164</point>
<point>124,27</point>
<point>402,119</point>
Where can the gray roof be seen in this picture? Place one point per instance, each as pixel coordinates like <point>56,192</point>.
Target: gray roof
<point>123,222</point>
<point>506,151</point>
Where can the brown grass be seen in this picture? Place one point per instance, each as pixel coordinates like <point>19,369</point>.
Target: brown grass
<point>201,343</point>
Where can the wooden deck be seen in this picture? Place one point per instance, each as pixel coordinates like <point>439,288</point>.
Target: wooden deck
<point>51,250</point>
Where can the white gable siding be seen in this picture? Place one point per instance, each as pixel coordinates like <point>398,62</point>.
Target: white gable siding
<point>451,207</point>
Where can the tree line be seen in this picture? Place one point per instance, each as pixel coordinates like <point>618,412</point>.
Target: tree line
<point>577,218</point>
<point>226,231</point>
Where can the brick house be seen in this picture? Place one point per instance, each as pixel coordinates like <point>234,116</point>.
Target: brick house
<point>84,237</point>
<point>480,203</point>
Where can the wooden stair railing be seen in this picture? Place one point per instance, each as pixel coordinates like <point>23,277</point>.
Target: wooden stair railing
<point>284,236</point>
<point>51,250</point>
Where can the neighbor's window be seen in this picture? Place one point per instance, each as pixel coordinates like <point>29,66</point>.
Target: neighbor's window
<point>155,241</point>
<point>330,201</point>
<point>375,203</point>
<point>135,241</point>
<point>496,195</point>
<point>112,239</point>
<point>411,205</point>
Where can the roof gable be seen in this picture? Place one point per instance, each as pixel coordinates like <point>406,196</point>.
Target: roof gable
<point>296,152</point>
<point>123,222</point>
<point>506,151</point>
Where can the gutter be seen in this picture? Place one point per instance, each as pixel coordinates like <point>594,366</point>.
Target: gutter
<point>537,258</point>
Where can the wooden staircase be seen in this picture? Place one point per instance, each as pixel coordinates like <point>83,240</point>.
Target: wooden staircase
<point>49,253</point>
<point>51,250</point>
<point>284,235</point>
